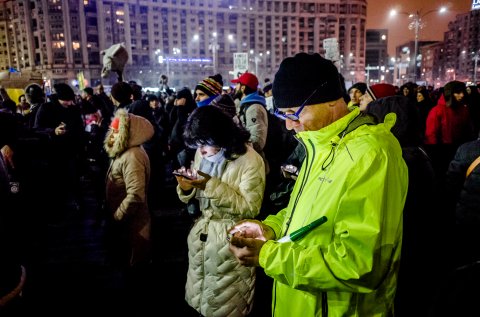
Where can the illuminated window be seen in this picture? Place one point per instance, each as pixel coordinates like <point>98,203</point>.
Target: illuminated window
<point>59,44</point>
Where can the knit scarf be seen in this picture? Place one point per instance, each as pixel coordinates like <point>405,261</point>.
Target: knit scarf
<point>214,166</point>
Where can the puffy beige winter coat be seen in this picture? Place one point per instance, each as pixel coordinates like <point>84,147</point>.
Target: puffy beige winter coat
<point>127,183</point>
<point>217,285</point>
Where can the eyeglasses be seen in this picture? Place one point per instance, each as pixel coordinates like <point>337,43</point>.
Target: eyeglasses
<point>295,116</point>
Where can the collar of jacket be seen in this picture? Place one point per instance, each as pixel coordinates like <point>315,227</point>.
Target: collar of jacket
<point>253,98</point>
<point>331,131</point>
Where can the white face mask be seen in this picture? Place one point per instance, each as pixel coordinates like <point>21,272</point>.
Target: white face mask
<point>269,102</point>
<point>216,157</point>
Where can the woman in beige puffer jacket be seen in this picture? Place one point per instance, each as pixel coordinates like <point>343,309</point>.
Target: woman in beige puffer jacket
<point>126,185</point>
<point>230,188</point>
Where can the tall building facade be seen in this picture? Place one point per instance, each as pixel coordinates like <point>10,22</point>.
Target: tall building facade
<point>377,56</point>
<point>462,47</point>
<point>186,39</point>
<point>405,56</point>
<point>432,64</point>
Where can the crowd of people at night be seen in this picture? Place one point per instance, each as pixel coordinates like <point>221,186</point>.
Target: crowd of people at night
<point>392,173</point>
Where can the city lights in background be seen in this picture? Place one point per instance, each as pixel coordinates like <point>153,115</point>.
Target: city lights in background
<point>417,23</point>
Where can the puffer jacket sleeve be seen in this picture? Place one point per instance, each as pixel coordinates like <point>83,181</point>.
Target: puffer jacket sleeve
<point>366,222</point>
<point>247,199</point>
<point>185,198</point>
<point>134,169</point>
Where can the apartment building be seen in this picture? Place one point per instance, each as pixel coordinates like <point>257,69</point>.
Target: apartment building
<point>186,39</point>
<point>462,47</point>
<point>377,56</point>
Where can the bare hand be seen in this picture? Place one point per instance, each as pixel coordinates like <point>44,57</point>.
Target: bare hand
<point>7,153</point>
<point>246,250</point>
<point>201,182</point>
<point>251,228</point>
<point>61,129</point>
<point>247,239</point>
<point>192,178</point>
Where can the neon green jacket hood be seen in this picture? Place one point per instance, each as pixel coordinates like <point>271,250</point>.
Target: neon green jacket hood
<point>348,266</point>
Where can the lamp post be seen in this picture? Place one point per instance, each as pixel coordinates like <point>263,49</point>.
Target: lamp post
<point>260,58</point>
<point>214,47</point>
<point>256,59</point>
<point>162,59</point>
<point>475,65</point>
<point>416,25</point>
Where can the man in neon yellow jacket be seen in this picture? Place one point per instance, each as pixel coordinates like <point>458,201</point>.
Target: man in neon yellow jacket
<point>355,176</point>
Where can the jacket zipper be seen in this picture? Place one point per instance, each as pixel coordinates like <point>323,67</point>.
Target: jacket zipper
<point>308,165</point>
<point>324,304</point>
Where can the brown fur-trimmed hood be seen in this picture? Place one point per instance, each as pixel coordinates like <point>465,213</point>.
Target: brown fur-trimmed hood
<point>132,131</point>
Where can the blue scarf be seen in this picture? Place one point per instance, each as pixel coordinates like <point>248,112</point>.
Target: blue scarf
<point>206,102</point>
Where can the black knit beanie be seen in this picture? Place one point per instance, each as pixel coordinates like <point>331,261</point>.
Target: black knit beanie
<point>299,76</point>
<point>64,91</point>
<point>362,87</point>
<point>226,104</point>
<point>451,88</point>
<point>122,92</point>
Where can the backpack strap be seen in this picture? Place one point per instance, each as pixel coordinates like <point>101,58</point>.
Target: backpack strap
<point>361,119</point>
<point>241,113</point>
<point>472,166</point>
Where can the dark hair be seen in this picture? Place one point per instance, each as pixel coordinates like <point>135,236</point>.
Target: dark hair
<point>190,104</point>
<point>151,97</point>
<point>121,91</point>
<point>88,91</point>
<point>211,126</point>
<point>424,92</point>
<point>136,91</point>
<point>34,94</point>
<point>267,87</point>
<point>249,90</point>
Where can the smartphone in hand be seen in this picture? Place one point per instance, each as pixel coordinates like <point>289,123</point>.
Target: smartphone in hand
<point>183,175</point>
<point>289,171</point>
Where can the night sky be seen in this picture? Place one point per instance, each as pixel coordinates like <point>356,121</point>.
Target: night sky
<point>436,24</point>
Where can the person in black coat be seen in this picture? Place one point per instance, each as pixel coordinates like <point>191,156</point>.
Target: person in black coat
<point>62,121</point>
<point>183,107</point>
<point>463,195</point>
<point>10,250</point>
<point>423,223</point>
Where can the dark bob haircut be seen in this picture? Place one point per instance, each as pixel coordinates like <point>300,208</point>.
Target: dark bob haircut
<point>211,126</point>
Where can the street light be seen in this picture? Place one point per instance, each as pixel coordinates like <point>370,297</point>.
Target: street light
<point>475,65</point>
<point>260,57</point>
<point>417,24</point>
<point>162,59</point>
<point>214,47</point>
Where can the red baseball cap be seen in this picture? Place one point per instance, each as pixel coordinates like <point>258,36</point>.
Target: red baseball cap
<point>247,79</point>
